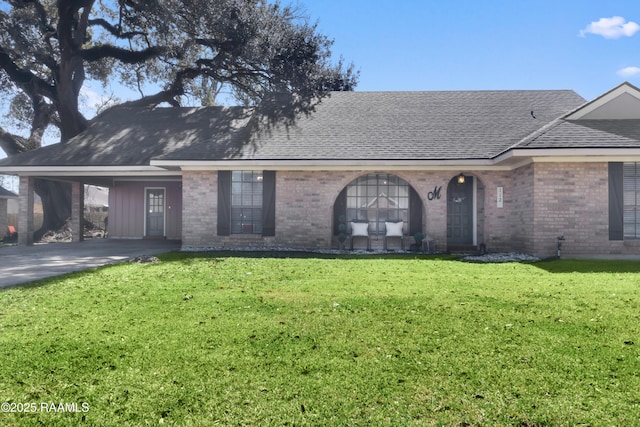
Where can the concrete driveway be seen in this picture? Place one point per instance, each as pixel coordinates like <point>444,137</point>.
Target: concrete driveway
<point>22,264</point>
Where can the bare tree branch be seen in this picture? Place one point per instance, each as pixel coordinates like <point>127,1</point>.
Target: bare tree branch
<point>25,79</point>
<point>13,144</point>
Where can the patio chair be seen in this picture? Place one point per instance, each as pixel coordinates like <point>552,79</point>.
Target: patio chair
<point>360,229</point>
<point>394,229</point>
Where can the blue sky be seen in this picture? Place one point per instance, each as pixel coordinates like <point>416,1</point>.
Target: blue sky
<point>485,44</point>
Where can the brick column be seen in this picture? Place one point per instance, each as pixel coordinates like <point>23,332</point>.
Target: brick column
<point>77,211</point>
<point>199,207</point>
<point>25,211</point>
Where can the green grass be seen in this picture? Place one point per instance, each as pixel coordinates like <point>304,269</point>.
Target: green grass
<point>224,339</point>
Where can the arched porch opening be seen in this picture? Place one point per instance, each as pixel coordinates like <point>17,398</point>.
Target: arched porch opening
<point>378,198</point>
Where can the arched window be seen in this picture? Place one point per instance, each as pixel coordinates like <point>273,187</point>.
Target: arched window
<point>377,198</point>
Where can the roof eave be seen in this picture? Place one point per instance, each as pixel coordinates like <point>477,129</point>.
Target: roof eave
<point>141,170</point>
<point>326,164</point>
<point>519,156</point>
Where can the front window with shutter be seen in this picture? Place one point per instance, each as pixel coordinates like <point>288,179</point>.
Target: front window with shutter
<point>246,202</point>
<point>631,189</point>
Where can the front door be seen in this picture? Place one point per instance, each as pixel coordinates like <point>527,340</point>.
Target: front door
<point>155,212</point>
<point>460,212</point>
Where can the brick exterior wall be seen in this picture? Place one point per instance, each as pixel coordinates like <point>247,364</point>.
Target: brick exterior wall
<point>571,199</point>
<point>520,211</point>
<point>540,202</point>
<point>304,209</point>
<point>494,223</point>
<point>199,208</point>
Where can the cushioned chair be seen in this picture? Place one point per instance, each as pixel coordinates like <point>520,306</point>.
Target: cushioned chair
<point>360,229</point>
<point>394,229</point>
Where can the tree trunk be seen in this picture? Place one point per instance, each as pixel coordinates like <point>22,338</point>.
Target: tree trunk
<point>56,205</point>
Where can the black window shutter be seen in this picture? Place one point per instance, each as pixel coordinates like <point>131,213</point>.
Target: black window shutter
<point>269,203</point>
<point>224,203</point>
<point>616,198</point>
<point>415,212</point>
<point>339,208</point>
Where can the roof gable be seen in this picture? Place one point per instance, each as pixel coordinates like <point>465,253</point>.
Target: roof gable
<point>620,103</point>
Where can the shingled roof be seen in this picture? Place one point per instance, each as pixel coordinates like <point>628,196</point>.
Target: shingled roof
<point>586,134</point>
<point>401,126</point>
<point>344,126</point>
<point>133,136</point>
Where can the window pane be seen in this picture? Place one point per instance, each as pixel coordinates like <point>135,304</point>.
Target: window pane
<point>246,202</point>
<point>631,197</point>
<point>378,197</point>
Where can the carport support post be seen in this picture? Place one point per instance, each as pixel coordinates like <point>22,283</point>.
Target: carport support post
<point>25,211</point>
<point>77,210</point>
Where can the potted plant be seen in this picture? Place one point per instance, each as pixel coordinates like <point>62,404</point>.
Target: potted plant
<point>342,230</point>
<point>418,237</point>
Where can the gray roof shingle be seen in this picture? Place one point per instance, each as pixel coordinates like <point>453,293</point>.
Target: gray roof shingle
<point>133,136</point>
<point>404,125</point>
<point>586,134</point>
<point>346,126</point>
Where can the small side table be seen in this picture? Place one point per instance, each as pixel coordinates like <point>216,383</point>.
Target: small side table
<point>428,245</point>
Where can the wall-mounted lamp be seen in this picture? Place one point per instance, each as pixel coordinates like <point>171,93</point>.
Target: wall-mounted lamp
<point>461,178</point>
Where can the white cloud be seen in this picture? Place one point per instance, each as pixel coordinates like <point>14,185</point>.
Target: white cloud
<point>89,97</point>
<point>629,72</point>
<point>611,28</point>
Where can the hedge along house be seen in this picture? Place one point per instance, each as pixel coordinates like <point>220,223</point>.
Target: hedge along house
<point>512,170</point>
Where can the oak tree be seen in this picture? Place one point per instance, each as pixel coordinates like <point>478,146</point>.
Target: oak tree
<point>187,50</point>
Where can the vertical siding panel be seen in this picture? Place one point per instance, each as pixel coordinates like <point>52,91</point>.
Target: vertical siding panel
<point>127,208</point>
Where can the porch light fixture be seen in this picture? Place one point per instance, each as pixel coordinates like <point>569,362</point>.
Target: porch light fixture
<point>461,178</point>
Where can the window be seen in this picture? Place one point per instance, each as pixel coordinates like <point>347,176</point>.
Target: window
<point>378,198</point>
<point>631,200</point>
<point>246,202</point>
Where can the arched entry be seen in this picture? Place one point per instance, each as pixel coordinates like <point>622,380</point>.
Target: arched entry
<point>376,198</point>
<point>461,231</point>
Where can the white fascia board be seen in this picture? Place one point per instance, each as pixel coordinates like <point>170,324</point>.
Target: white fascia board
<point>570,155</point>
<point>86,170</point>
<point>479,164</point>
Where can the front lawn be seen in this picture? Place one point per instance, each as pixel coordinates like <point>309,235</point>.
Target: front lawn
<point>292,339</point>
